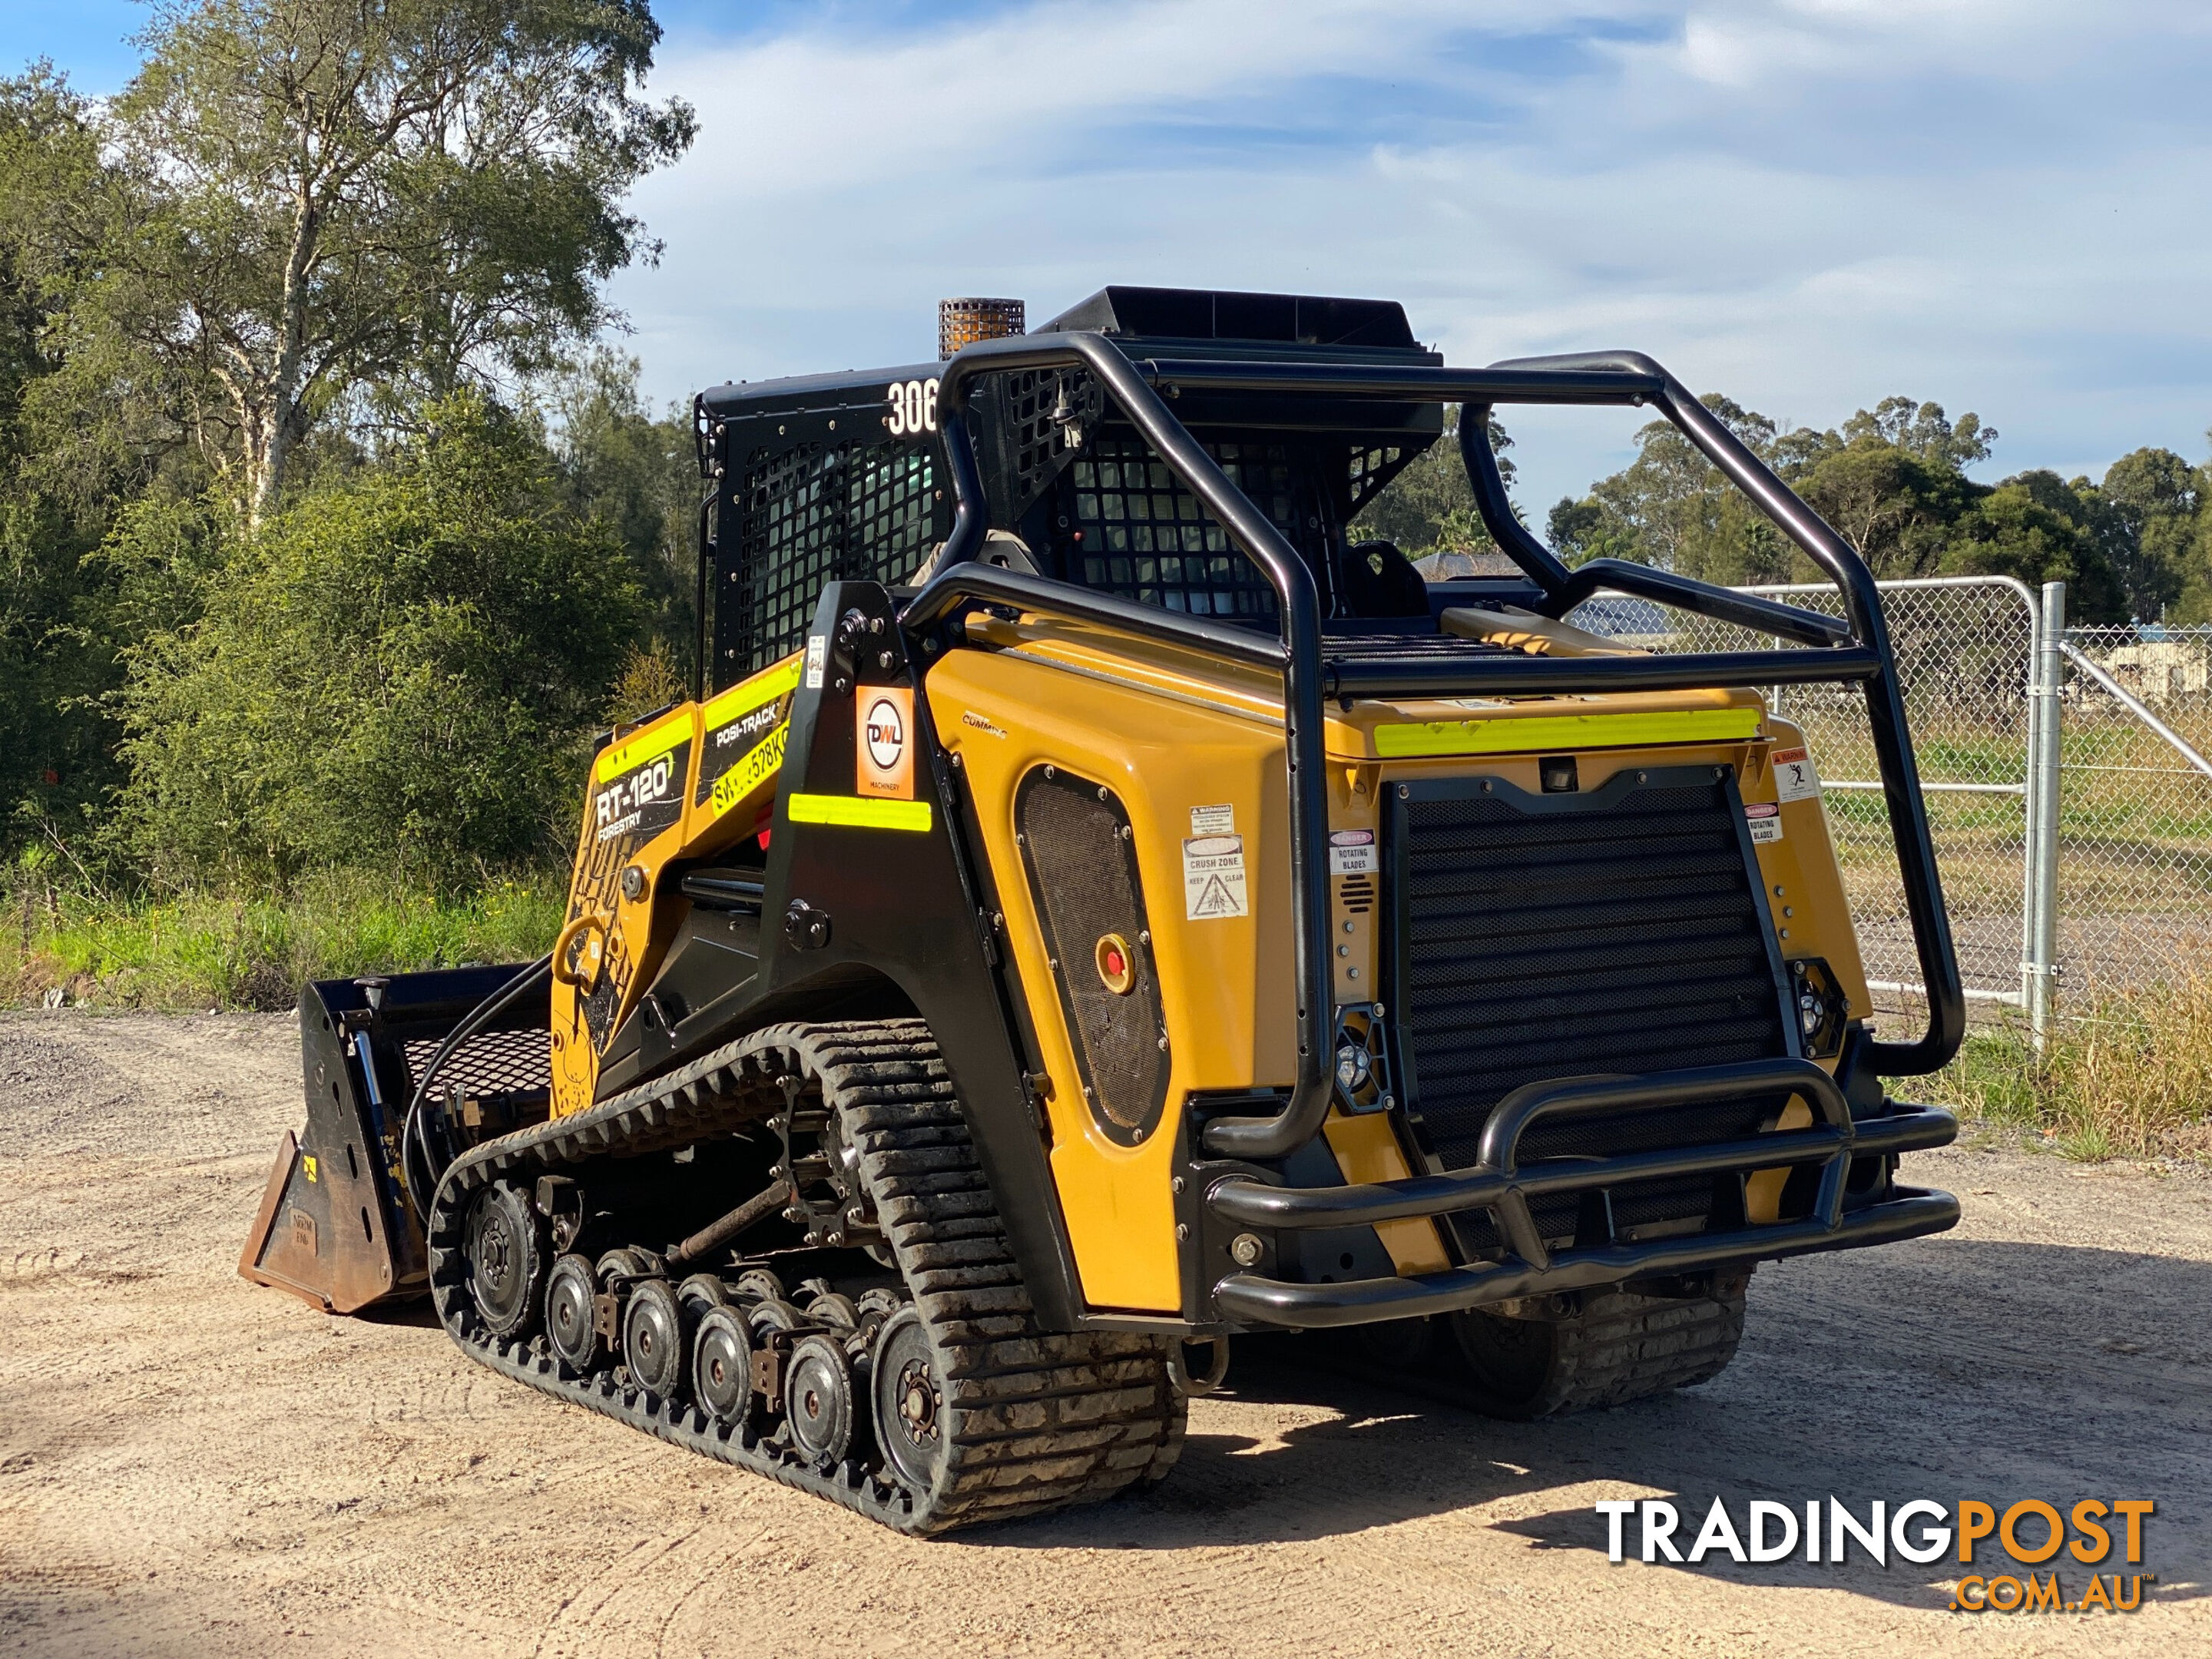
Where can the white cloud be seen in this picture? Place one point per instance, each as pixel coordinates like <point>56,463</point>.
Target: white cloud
<point>1809,204</point>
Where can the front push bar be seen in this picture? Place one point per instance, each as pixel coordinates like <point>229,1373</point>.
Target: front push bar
<point>1500,1184</point>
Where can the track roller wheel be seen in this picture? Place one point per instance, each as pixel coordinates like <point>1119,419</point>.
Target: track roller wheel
<point>570,1329</point>
<point>506,1251</point>
<point>818,1401</point>
<point>909,1402</point>
<point>775,1315</point>
<point>759,1284</point>
<point>879,1304</point>
<point>702,1292</point>
<point>833,1308</point>
<point>722,1365</point>
<point>655,1345</point>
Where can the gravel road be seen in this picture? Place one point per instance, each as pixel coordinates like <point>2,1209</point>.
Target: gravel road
<point>191,1465</point>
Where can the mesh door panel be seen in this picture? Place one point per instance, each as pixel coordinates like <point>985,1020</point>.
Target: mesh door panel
<point>1083,878</point>
<point>817,513</point>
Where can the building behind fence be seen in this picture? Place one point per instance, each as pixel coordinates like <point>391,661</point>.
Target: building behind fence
<point>2111,829</point>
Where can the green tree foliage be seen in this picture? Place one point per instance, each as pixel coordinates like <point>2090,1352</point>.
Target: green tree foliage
<point>1428,510</point>
<point>56,655</point>
<point>396,672</point>
<point>1670,507</point>
<point>312,201</point>
<point>2153,501</point>
<point>2040,529</point>
<point>1892,483</point>
<point>1922,431</point>
<point>640,474</point>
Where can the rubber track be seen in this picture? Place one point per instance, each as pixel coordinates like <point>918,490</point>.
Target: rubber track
<point>1623,1348</point>
<point>1630,1347</point>
<point>1035,1421</point>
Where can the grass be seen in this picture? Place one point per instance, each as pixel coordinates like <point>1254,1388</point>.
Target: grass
<point>2127,1075</point>
<point>211,950</point>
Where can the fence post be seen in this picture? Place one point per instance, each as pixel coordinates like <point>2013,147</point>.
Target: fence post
<point>2039,972</point>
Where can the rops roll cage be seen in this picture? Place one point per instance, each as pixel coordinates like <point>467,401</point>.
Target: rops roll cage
<point>1855,649</point>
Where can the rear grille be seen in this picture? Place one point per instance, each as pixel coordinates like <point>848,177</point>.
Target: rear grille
<point>1563,935</point>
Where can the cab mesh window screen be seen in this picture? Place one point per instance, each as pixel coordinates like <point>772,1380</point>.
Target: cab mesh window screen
<point>1145,537</point>
<point>815,514</point>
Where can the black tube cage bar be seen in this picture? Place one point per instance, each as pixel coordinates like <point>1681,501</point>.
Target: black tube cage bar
<point>1528,1266</point>
<point>1854,650</point>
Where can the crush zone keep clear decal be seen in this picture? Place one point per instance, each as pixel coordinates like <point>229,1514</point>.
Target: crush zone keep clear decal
<point>1213,879</point>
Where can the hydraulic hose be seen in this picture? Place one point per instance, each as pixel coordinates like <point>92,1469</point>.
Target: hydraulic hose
<point>417,1158</point>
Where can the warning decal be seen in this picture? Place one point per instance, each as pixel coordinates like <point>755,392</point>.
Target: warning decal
<point>1794,777</point>
<point>1352,853</point>
<point>1764,819</point>
<point>1213,879</point>
<point>1214,820</point>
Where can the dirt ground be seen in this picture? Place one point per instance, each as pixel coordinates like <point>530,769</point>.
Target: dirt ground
<point>191,1465</point>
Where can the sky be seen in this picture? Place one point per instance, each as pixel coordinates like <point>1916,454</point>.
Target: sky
<point>2000,205</point>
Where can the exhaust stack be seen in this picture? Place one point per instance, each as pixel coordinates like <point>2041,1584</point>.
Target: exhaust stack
<point>963,322</point>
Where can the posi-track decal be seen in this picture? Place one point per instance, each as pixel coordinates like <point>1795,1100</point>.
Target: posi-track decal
<point>746,728</point>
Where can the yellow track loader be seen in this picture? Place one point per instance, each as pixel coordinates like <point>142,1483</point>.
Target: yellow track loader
<point>1096,905</point>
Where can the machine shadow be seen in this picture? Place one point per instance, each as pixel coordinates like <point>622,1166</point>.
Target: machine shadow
<point>1881,1374</point>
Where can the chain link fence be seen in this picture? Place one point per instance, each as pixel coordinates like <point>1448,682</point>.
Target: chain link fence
<point>2134,898</point>
<point>2132,894</point>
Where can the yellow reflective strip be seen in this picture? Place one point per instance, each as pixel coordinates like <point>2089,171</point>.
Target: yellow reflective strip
<point>856,812</point>
<point>648,746</point>
<point>749,695</point>
<point>758,764</point>
<point>1565,732</point>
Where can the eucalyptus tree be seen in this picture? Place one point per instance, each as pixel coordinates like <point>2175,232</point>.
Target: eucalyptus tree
<point>317,202</point>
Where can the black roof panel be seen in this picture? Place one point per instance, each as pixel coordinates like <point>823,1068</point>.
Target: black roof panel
<point>1192,313</point>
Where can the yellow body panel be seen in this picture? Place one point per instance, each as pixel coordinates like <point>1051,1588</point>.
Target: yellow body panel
<point>687,784</point>
<point>1225,983</point>
<point>1804,886</point>
<point>1170,734</point>
<point>1367,1150</point>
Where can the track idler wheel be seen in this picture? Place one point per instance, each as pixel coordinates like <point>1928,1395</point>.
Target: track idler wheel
<point>506,1251</point>
<point>722,1366</point>
<point>571,1330</point>
<point>908,1400</point>
<point>818,1401</point>
<point>655,1344</point>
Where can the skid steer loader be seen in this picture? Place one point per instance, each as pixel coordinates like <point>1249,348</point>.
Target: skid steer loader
<point>1094,906</point>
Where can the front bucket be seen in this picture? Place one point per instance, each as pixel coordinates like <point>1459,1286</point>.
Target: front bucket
<point>335,1226</point>
<point>317,1233</point>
